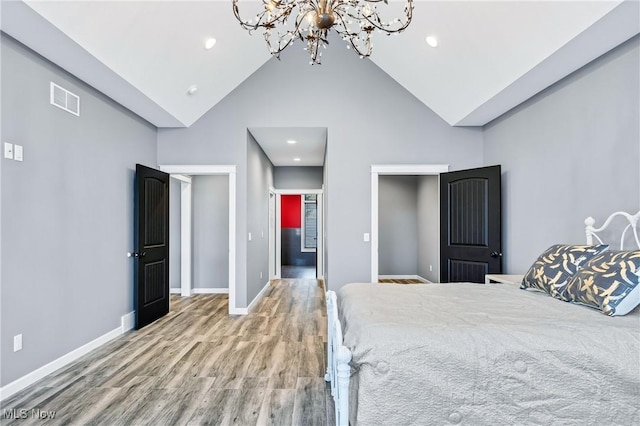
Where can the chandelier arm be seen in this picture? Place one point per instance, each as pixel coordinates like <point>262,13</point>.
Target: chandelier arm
<point>377,23</point>
<point>269,22</point>
<point>350,37</point>
<point>293,34</point>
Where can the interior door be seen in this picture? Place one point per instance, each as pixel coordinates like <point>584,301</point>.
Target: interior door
<point>470,221</point>
<point>151,294</point>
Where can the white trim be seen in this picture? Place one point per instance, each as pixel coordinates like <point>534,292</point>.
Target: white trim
<point>182,178</point>
<point>278,245</point>
<point>40,373</point>
<point>229,170</point>
<point>175,290</point>
<point>297,191</point>
<point>254,302</point>
<point>393,169</point>
<point>404,277</point>
<point>409,169</point>
<point>320,236</point>
<point>232,241</point>
<point>303,224</point>
<point>319,228</point>
<point>198,169</point>
<point>373,238</point>
<point>128,321</point>
<point>186,235</point>
<point>272,233</point>
<point>210,291</point>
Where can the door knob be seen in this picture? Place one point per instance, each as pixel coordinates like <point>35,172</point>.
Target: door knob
<point>495,254</point>
<point>134,254</point>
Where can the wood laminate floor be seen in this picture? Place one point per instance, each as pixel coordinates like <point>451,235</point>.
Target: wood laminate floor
<point>198,365</point>
<point>400,281</point>
<point>290,271</point>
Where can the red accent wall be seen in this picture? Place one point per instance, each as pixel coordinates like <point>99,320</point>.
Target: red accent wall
<point>290,211</point>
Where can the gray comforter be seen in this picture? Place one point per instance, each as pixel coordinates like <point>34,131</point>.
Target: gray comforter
<point>476,354</point>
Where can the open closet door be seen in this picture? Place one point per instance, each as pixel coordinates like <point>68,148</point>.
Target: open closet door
<point>151,294</point>
<point>470,225</point>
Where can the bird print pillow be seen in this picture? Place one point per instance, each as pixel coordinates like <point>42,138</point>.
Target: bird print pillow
<point>557,265</point>
<point>609,282</point>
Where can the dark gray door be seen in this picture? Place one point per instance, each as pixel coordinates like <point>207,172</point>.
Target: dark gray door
<point>151,295</point>
<point>470,221</point>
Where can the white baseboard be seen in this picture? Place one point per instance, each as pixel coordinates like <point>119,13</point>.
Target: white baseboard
<point>201,291</point>
<point>210,290</point>
<point>126,324</point>
<point>254,302</point>
<point>128,321</point>
<point>404,277</point>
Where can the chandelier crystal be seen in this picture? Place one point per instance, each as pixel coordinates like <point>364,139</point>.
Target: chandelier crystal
<point>284,21</point>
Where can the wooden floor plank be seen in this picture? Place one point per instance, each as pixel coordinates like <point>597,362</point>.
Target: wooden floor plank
<point>199,365</point>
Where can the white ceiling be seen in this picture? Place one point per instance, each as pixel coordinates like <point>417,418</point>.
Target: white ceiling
<point>492,55</point>
<point>309,147</point>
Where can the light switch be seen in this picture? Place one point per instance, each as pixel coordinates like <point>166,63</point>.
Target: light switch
<point>17,342</point>
<point>8,150</point>
<point>249,236</point>
<point>17,152</point>
<point>367,238</point>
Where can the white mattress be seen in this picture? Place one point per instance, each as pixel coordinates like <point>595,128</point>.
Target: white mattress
<point>486,355</point>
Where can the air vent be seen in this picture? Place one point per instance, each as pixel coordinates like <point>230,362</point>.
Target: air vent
<point>64,99</point>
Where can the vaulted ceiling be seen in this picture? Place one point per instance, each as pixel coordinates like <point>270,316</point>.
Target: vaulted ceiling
<point>492,55</point>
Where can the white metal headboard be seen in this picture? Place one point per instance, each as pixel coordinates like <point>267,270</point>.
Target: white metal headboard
<point>633,224</point>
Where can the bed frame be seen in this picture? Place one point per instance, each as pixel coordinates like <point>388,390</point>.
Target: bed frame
<point>339,356</point>
<point>633,224</point>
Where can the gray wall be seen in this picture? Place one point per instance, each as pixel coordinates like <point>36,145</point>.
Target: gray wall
<point>398,225</point>
<point>67,213</point>
<point>298,177</point>
<point>210,199</point>
<point>568,153</point>
<point>174,233</point>
<point>429,228</point>
<point>259,179</point>
<point>409,132</point>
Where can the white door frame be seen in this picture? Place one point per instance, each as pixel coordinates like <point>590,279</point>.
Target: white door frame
<point>186,225</point>
<point>185,233</point>
<point>319,229</point>
<point>272,233</point>
<point>393,169</point>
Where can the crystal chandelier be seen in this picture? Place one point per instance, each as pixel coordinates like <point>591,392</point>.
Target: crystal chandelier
<point>284,21</point>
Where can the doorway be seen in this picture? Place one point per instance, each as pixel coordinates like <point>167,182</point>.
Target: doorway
<point>298,251</point>
<point>396,170</point>
<point>184,174</point>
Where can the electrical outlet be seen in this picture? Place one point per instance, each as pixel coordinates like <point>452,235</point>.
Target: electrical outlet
<point>260,274</point>
<point>17,342</point>
<point>249,236</point>
<point>367,238</point>
<point>8,150</point>
<point>431,268</point>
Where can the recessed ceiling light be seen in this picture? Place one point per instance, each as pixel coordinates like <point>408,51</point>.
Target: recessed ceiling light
<point>192,90</point>
<point>432,41</point>
<point>209,43</point>
<point>296,159</point>
<point>291,142</point>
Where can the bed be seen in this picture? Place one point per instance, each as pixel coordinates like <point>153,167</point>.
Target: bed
<point>466,353</point>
